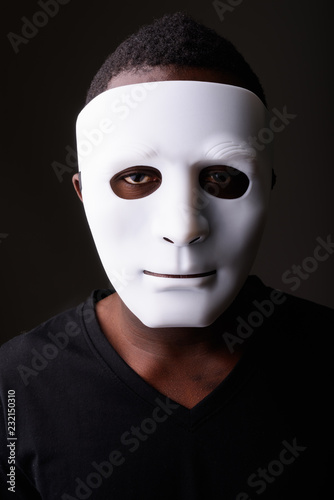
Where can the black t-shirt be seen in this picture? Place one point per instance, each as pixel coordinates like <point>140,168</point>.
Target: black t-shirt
<point>88,426</point>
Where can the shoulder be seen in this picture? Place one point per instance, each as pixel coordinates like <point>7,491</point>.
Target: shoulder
<point>295,340</point>
<point>31,352</point>
<point>288,332</point>
<point>53,342</point>
<point>292,345</point>
<point>59,330</point>
<point>64,324</point>
<point>60,341</point>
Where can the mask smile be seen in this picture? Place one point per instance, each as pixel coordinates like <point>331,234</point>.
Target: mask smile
<point>198,275</point>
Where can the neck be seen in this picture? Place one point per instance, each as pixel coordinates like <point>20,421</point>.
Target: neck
<point>185,364</point>
<point>133,340</point>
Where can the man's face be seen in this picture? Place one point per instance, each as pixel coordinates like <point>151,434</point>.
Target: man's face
<point>174,195</point>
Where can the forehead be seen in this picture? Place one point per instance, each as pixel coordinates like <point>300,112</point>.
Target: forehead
<point>169,116</point>
<point>172,72</point>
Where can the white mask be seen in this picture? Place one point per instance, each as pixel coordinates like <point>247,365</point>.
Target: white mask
<point>179,252</point>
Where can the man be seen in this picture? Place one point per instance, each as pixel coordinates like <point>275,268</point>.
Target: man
<point>190,380</point>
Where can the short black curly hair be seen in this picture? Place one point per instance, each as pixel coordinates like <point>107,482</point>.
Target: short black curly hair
<point>178,40</point>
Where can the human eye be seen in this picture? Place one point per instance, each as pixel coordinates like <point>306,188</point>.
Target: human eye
<point>136,182</point>
<point>138,178</point>
<point>223,181</point>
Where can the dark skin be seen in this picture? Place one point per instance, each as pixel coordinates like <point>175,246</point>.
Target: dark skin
<point>185,364</point>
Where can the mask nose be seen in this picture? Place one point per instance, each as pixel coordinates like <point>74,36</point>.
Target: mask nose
<point>179,222</point>
<point>186,238</point>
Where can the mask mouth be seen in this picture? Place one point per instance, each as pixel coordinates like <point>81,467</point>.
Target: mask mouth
<point>180,276</point>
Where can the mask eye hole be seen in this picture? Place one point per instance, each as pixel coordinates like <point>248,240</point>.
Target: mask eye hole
<point>136,182</point>
<point>222,181</point>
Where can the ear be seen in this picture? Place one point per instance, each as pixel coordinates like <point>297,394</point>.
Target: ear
<point>77,184</point>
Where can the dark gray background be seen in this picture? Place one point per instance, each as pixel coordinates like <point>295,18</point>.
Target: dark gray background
<point>48,259</point>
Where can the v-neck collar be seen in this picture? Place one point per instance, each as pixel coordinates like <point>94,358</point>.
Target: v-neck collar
<point>134,383</point>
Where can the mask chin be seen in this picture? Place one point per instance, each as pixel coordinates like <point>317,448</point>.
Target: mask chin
<point>175,195</point>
